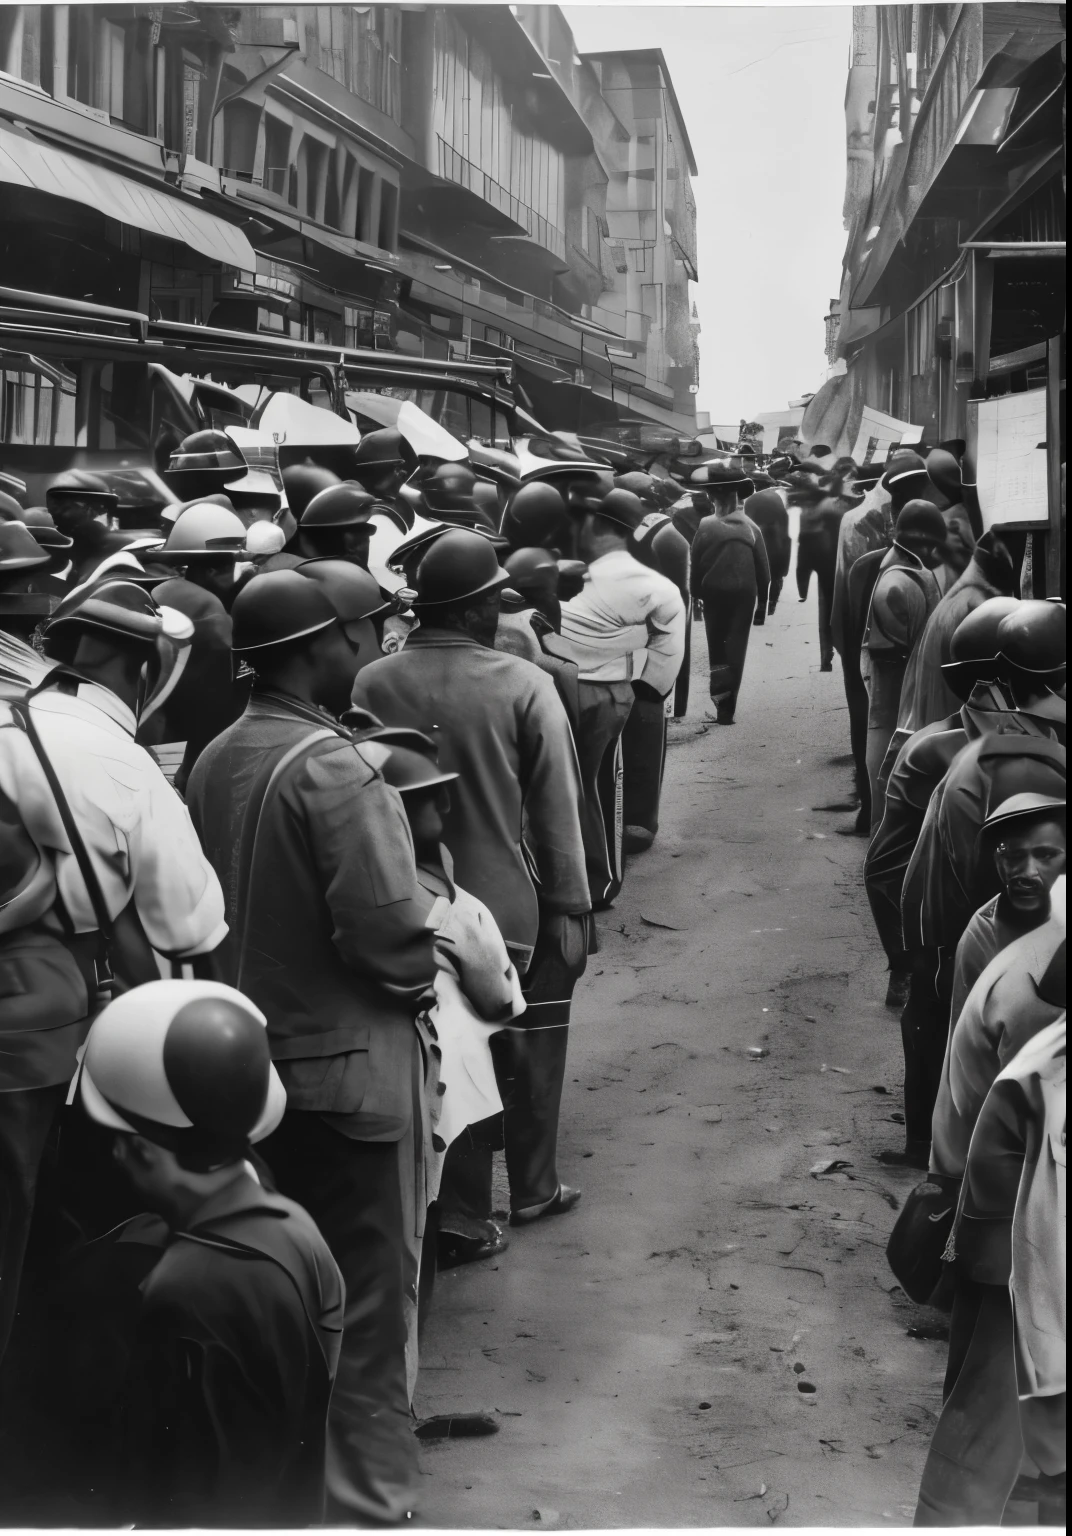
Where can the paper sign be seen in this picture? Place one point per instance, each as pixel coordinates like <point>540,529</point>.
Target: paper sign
<point>1010,458</point>
<point>879,433</point>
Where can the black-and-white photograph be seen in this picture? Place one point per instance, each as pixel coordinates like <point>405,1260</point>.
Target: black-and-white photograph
<point>532,766</point>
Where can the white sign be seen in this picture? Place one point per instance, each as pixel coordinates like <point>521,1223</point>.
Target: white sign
<point>1010,458</point>
<point>879,433</point>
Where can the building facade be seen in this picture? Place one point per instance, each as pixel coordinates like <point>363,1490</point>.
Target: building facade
<point>953,277</point>
<point>445,181</point>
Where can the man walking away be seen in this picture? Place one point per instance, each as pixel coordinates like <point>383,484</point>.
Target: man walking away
<point>731,577</point>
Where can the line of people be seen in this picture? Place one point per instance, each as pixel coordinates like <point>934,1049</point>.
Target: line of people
<point>261,1038</point>
<point>956,693</point>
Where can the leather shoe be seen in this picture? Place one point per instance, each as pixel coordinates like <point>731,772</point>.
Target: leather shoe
<point>452,1249</point>
<point>564,1199</point>
<point>915,1155</point>
<point>455,1426</point>
<point>897,989</point>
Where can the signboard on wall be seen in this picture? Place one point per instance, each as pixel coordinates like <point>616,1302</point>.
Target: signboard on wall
<point>879,433</point>
<point>1006,449</point>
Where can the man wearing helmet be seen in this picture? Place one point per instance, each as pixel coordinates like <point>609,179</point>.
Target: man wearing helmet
<point>81,504</point>
<point>71,768</point>
<point>203,546</point>
<point>626,626</point>
<point>498,723</point>
<point>336,524</point>
<point>329,938</point>
<point>220,1416</point>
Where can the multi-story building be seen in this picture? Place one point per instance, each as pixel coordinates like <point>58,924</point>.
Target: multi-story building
<point>441,180</point>
<point>953,278</point>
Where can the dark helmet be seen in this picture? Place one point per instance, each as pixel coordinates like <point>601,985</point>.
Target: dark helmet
<point>385,448</point>
<point>944,472</point>
<point>532,570</point>
<point>203,532</point>
<point>117,607</point>
<point>624,509</point>
<point>640,485</point>
<point>304,481</point>
<point>204,461</point>
<point>344,505</point>
<point>40,523</point>
<point>449,488</point>
<point>1032,641</point>
<point>19,550</point>
<point>973,648</point>
<point>459,565</point>
<point>352,592</point>
<point>186,1065</point>
<point>80,485</point>
<point>904,466</point>
<point>412,761</point>
<point>921,520</point>
<point>10,510</point>
<point>278,606</point>
<point>537,515</point>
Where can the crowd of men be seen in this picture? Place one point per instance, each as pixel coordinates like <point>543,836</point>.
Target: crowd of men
<point>955,683</point>
<point>268,1018</point>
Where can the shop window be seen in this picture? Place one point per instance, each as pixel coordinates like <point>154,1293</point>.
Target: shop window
<point>359,323</point>
<point>37,405</point>
<point>481,420</point>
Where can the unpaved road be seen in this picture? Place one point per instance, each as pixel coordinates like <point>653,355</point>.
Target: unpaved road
<point>649,1354</point>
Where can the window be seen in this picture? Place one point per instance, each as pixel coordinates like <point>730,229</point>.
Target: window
<point>37,402</point>
<point>360,47</point>
<point>388,216</point>
<point>366,191</point>
<point>640,258</point>
<point>359,325</point>
<point>96,60</point>
<point>277,157</point>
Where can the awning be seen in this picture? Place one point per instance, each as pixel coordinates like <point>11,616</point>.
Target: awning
<point>28,163</point>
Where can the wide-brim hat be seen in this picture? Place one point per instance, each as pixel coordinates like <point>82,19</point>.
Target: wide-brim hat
<point>460,564</point>
<point>722,477</point>
<point>277,607</point>
<point>81,485</point>
<point>411,761</point>
<point>121,607</point>
<point>40,523</point>
<point>256,485</point>
<point>19,550</point>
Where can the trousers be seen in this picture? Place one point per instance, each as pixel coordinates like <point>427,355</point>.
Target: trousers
<point>857,701</point>
<point>27,1116</point>
<point>976,1448</point>
<point>728,622</point>
<point>924,1034</point>
<point>530,1069</point>
<point>883,706</point>
<point>603,711</point>
<point>644,755</point>
<point>353,1191</point>
<point>681,687</point>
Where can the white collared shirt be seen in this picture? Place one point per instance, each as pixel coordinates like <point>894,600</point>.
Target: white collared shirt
<point>136,829</point>
<point>627,623</point>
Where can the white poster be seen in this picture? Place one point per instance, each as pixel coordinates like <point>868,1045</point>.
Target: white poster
<point>1010,458</point>
<point>879,433</point>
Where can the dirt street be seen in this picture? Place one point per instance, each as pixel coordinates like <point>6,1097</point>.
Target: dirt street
<point>712,1337</point>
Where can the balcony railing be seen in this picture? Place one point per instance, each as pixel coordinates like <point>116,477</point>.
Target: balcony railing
<point>455,167</point>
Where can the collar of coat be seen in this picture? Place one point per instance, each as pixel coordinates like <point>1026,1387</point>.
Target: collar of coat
<point>443,637</point>
<point>273,701</point>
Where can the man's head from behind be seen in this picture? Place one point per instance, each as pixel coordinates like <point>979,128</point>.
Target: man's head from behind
<point>412,767</point>
<point>921,531</point>
<point>287,629</point>
<point>1026,835</point>
<point>182,1073</point>
<point>459,585</point>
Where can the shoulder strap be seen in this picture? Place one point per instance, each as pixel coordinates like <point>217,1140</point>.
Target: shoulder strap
<point>253,830</point>
<point>25,720</point>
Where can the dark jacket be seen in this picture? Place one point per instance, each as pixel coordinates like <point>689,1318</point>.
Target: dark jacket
<point>231,1368</point>
<point>945,882</point>
<point>920,766</point>
<point>768,511</point>
<point>326,913</point>
<point>207,699</point>
<point>728,555</point>
<point>500,726</point>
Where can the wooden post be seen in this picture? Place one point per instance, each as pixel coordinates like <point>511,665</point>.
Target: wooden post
<point>1055,432</point>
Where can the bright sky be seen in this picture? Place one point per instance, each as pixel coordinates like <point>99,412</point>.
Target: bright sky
<point>762,89</point>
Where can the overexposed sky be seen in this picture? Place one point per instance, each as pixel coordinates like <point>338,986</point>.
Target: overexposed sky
<point>762,90</point>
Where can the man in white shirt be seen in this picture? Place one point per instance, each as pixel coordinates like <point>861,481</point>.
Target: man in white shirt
<point>627,625</point>
<point>155,884</point>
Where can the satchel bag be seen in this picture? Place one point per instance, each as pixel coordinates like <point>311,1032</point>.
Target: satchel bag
<point>123,957</point>
<point>920,1235</point>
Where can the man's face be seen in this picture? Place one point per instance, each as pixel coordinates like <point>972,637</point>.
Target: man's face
<point>364,640</point>
<point>355,543</point>
<point>425,811</point>
<point>586,538</point>
<point>336,668</point>
<point>1029,861</point>
<point>72,516</point>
